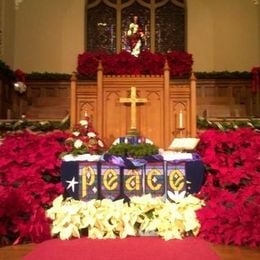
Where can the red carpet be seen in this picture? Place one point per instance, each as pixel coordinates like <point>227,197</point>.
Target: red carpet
<point>152,248</point>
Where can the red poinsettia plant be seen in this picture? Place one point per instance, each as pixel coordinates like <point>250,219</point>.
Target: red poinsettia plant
<point>147,63</point>
<point>84,139</point>
<point>232,189</point>
<point>29,182</point>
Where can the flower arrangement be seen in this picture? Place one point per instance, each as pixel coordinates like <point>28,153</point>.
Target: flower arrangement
<point>111,219</point>
<point>30,180</point>
<point>20,85</point>
<point>84,139</point>
<point>124,63</point>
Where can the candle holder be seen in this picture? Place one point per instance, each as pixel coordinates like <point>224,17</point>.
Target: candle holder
<point>179,132</point>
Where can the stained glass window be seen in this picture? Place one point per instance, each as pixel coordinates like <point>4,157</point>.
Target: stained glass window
<point>163,23</point>
<point>170,28</point>
<point>101,29</point>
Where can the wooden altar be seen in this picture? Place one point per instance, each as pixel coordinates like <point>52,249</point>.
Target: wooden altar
<point>170,109</point>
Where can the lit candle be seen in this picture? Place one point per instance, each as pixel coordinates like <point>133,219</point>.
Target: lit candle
<point>180,119</point>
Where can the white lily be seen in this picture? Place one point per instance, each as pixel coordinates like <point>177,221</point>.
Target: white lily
<point>108,219</point>
<point>176,196</point>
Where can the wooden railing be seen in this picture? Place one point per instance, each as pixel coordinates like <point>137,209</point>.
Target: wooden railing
<point>6,97</point>
<point>51,99</point>
<point>226,98</point>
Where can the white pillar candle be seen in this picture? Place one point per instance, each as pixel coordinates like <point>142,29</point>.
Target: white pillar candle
<point>180,119</point>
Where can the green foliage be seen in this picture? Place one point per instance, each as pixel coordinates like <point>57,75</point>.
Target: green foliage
<point>122,149</point>
<point>133,150</point>
<point>199,75</point>
<point>6,71</point>
<point>43,126</point>
<point>223,75</point>
<point>204,123</point>
<point>48,76</point>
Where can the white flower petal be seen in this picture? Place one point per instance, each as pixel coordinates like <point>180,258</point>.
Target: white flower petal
<point>100,143</point>
<point>78,143</point>
<point>76,133</point>
<point>83,122</point>
<point>91,135</point>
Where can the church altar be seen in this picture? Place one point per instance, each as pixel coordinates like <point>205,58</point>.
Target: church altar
<point>86,180</point>
<point>166,109</point>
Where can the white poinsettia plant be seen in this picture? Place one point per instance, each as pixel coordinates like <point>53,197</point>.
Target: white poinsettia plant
<point>110,219</point>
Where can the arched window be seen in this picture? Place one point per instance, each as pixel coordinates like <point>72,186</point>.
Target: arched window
<point>163,22</point>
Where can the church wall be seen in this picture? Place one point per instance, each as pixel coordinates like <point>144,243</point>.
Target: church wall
<point>7,31</point>
<point>222,35</point>
<point>49,35</point>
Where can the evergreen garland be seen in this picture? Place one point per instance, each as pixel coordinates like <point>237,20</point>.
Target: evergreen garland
<point>6,71</point>
<point>122,149</point>
<point>42,126</point>
<point>224,75</point>
<point>204,123</point>
<point>133,150</point>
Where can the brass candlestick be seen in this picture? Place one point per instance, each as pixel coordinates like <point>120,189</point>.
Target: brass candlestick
<point>179,132</point>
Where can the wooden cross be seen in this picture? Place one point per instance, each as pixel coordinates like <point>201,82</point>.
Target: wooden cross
<point>133,100</point>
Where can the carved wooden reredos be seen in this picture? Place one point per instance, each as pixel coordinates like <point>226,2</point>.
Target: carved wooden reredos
<point>158,119</point>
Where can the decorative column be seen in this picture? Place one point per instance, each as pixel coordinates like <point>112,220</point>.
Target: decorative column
<point>167,137</point>
<point>100,98</point>
<point>193,111</point>
<point>73,100</point>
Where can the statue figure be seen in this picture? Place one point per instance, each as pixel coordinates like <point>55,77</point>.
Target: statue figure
<point>135,37</point>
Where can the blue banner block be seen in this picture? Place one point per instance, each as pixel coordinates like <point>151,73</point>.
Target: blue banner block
<point>85,180</point>
<point>133,182</point>
<point>155,179</point>
<point>88,181</point>
<point>70,179</point>
<point>110,180</point>
<point>175,175</point>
